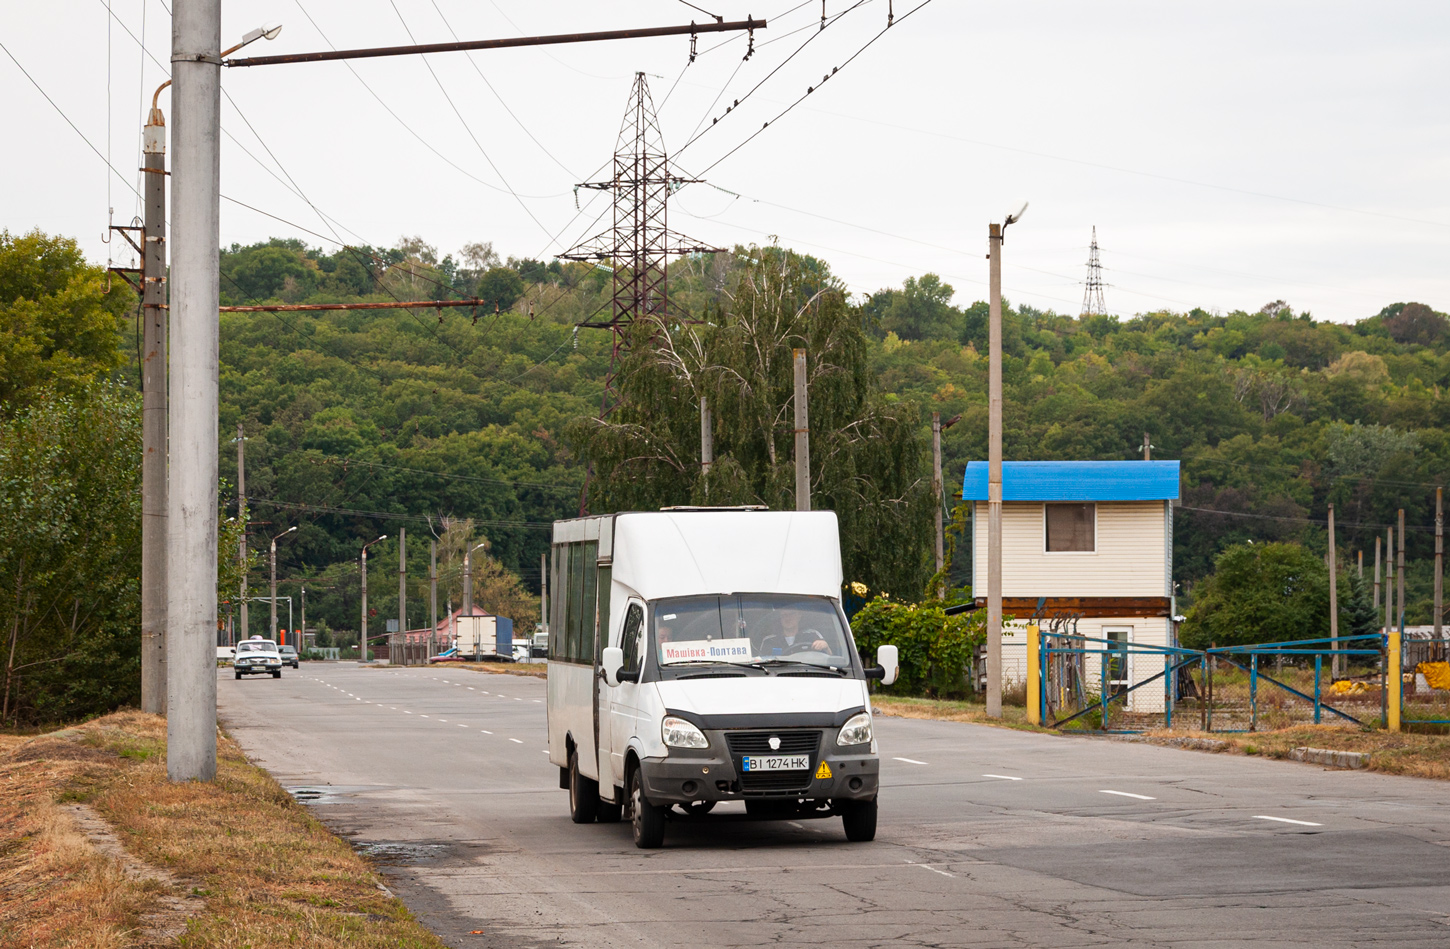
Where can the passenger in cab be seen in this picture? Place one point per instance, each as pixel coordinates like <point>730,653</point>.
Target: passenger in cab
<point>792,639</point>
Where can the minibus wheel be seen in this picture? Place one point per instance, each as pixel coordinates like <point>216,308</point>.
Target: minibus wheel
<point>647,820</point>
<point>583,794</point>
<point>859,818</point>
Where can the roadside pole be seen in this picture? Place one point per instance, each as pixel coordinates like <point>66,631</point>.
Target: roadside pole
<point>153,419</point>
<point>1376,575</point>
<point>543,598</point>
<point>241,440</point>
<point>1337,667</point>
<point>802,434</point>
<point>468,582</point>
<point>402,590</point>
<point>707,440</point>
<point>936,496</point>
<point>302,637</point>
<point>1439,563</point>
<point>994,477</point>
<point>1400,578</point>
<point>1389,578</point>
<point>433,598</point>
<point>192,499</point>
<point>362,636</point>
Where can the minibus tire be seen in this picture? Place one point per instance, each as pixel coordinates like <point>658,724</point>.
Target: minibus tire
<point>583,794</point>
<point>647,820</point>
<point>859,819</point>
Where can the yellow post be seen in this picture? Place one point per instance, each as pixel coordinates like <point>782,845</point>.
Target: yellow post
<point>1034,675</point>
<point>1393,681</point>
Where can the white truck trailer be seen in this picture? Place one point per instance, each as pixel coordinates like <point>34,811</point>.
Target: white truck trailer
<point>485,637</point>
<point>700,656</point>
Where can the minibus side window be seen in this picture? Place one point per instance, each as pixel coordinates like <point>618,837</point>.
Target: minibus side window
<point>629,639</point>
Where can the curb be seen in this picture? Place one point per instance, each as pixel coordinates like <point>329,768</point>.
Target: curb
<point>1343,760</point>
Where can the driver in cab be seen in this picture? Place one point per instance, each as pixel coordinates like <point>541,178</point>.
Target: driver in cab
<point>792,639</point>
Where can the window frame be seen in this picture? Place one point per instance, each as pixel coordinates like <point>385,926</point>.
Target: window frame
<point>1070,553</point>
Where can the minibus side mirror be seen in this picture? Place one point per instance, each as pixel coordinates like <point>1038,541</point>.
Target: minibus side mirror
<point>611,662</point>
<point>886,658</point>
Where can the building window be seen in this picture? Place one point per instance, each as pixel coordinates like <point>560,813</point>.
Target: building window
<point>1071,528</point>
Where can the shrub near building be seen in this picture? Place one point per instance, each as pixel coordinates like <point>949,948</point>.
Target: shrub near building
<point>935,649</point>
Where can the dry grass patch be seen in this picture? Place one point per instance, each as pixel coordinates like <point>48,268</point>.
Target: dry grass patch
<point>1406,753</point>
<point>534,670</point>
<point>267,872</point>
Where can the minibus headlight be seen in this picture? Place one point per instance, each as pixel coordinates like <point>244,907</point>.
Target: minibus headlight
<point>679,733</point>
<point>857,731</point>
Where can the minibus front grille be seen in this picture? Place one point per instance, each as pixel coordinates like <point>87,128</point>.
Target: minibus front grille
<point>794,742</point>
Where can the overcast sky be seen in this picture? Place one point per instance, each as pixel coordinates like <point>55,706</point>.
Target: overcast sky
<point>1228,153</point>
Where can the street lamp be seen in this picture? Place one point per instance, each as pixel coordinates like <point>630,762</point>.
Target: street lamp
<point>995,234</point>
<point>273,557</point>
<point>362,639</point>
<point>268,32</point>
<point>468,578</point>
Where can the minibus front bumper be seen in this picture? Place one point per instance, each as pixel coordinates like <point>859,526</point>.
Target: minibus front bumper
<point>716,773</point>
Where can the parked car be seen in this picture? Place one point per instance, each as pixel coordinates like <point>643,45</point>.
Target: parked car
<point>289,656</point>
<point>257,655</point>
<point>540,647</point>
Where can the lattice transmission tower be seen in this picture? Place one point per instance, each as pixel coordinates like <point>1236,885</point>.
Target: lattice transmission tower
<point>1092,294</point>
<point>639,243</point>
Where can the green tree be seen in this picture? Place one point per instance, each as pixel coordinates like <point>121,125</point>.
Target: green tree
<point>1260,593</point>
<point>59,325</point>
<point>923,310</point>
<point>868,462</point>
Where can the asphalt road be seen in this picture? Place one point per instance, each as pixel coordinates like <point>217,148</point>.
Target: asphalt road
<point>987,837</point>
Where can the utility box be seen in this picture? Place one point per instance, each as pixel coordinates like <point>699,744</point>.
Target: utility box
<point>485,637</point>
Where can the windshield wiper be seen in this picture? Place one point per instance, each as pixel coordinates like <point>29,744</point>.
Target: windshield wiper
<point>721,674</point>
<point>765,664</point>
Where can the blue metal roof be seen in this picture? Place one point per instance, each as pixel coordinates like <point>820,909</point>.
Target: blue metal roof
<point>1076,481</point>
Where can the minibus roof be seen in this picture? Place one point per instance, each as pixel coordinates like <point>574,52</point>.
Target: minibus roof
<point>680,553</point>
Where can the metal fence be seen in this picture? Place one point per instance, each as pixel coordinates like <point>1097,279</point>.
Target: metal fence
<point>1279,685</point>
<point>1110,685</point>
<point>1425,674</point>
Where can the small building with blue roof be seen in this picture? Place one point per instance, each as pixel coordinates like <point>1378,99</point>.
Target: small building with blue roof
<point>1089,542</point>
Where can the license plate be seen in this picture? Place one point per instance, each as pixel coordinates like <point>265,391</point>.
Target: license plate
<point>776,763</point>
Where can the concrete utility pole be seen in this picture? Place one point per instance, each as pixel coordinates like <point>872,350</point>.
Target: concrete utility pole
<point>1389,578</point>
<point>241,441</point>
<point>1359,554</point>
<point>153,418</point>
<point>1439,560</point>
<point>936,493</point>
<point>433,597</point>
<point>707,440</point>
<point>995,235</point>
<point>1376,574</point>
<point>1338,665</point>
<point>1147,448</point>
<point>302,638</point>
<point>544,593</point>
<point>402,584</point>
<point>802,434</point>
<point>272,559</point>
<point>1400,577</point>
<point>362,636</point>
<point>191,509</point>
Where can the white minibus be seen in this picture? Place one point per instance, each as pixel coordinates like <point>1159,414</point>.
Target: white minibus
<point>700,656</point>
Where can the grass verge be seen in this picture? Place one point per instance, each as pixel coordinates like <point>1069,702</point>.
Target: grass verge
<point>266,873</point>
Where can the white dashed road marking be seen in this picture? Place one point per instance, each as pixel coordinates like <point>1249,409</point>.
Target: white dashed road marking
<point>932,869</point>
<point>909,760</point>
<point>1139,797</point>
<point>1287,820</point>
<point>516,741</point>
<point>1002,777</point>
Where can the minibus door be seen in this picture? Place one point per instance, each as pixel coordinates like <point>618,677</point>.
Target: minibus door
<point>620,703</point>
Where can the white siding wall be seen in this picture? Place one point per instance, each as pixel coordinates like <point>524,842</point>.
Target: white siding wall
<point>1132,557</point>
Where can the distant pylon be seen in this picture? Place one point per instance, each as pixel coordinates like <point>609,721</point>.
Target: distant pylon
<point>640,242</point>
<point>1092,294</point>
<point>638,245</point>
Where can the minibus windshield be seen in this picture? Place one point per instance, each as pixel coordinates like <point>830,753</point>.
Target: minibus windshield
<point>762,630</point>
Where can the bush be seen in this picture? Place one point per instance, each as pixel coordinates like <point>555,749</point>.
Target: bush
<point>935,650</point>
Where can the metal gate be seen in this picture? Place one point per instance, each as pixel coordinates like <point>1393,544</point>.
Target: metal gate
<point>1110,685</point>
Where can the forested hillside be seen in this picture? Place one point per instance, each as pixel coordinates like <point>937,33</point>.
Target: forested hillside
<point>358,418</point>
